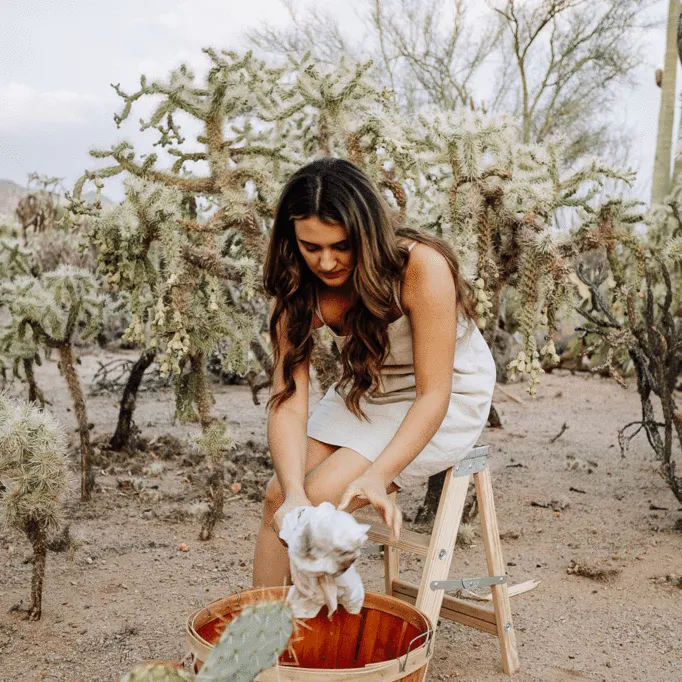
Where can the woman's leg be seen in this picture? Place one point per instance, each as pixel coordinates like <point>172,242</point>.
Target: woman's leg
<point>271,560</point>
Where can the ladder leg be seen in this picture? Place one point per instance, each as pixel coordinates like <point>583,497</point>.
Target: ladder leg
<point>391,561</point>
<point>442,545</point>
<point>493,552</point>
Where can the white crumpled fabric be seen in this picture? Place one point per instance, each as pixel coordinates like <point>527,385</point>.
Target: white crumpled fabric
<point>323,544</point>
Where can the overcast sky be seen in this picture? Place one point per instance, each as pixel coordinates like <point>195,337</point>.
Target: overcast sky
<point>59,57</point>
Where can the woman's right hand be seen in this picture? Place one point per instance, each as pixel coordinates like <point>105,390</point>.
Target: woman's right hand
<point>290,502</point>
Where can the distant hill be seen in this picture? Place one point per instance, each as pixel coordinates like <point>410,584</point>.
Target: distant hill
<point>90,196</point>
<point>11,193</point>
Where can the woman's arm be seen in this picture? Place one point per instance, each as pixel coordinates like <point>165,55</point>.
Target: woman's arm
<point>288,423</point>
<point>429,298</point>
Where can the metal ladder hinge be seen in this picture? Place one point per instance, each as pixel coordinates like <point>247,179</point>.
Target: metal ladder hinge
<point>468,583</point>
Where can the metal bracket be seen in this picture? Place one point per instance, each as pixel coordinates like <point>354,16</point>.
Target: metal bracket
<point>468,583</point>
<point>475,462</point>
<point>470,465</point>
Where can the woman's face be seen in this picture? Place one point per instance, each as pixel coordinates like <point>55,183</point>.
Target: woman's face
<point>325,249</point>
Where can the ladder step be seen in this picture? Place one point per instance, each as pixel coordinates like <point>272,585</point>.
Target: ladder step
<point>458,610</point>
<point>417,543</point>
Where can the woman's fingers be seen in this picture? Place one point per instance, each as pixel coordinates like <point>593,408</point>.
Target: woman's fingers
<point>346,499</point>
<point>377,497</point>
<point>397,521</point>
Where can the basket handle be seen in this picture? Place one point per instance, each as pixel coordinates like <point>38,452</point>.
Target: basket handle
<point>402,664</point>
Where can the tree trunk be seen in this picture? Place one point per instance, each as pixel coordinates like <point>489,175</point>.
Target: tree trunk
<point>35,395</point>
<point>661,180</point>
<point>428,508</point>
<point>37,537</point>
<point>67,363</point>
<point>494,421</point>
<point>122,436</point>
<point>216,481</point>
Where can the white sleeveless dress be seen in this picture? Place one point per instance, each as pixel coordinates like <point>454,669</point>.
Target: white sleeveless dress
<point>473,381</point>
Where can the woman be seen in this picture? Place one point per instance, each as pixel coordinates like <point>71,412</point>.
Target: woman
<point>416,386</point>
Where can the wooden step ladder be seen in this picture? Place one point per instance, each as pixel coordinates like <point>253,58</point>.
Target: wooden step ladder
<point>438,548</point>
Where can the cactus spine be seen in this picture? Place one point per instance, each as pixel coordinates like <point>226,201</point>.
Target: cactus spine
<point>250,643</point>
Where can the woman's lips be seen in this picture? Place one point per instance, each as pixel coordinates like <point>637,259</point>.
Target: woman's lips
<point>332,275</point>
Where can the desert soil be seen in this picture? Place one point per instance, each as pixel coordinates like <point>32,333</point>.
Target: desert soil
<point>126,594</point>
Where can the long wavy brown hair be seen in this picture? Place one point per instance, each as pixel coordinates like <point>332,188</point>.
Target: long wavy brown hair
<point>337,191</point>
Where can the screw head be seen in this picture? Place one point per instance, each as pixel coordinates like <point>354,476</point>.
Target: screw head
<point>442,554</point>
<point>507,627</point>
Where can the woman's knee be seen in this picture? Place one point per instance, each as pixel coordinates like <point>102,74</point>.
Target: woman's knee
<point>317,493</point>
<point>274,497</point>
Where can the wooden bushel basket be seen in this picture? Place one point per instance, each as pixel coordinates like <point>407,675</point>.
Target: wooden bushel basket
<point>389,640</point>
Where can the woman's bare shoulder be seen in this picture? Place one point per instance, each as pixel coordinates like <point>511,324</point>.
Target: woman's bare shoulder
<point>427,272</point>
<point>424,260</point>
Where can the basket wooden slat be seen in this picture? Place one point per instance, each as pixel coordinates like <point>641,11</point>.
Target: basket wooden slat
<point>388,641</point>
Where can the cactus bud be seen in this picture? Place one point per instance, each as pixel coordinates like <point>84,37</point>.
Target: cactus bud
<point>155,673</point>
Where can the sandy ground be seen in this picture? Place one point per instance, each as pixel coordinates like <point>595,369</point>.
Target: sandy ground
<point>126,595</point>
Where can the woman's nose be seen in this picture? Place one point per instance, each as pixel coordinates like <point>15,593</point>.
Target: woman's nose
<point>327,261</point>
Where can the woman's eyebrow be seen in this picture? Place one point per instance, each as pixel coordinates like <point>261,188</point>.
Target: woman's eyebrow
<point>307,243</point>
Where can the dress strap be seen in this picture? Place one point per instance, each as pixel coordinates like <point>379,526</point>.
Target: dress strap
<point>411,246</point>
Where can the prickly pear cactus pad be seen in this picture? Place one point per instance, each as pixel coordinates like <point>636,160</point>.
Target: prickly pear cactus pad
<point>251,643</point>
<point>155,673</point>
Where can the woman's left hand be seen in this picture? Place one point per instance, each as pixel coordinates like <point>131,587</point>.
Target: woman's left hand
<point>368,488</point>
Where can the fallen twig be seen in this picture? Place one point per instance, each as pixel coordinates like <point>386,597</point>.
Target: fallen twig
<point>509,395</point>
<point>563,428</point>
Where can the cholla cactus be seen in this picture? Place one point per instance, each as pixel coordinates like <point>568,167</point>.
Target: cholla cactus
<point>32,479</point>
<point>631,312</point>
<point>15,258</point>
<point>178,308</point>
<point>19,356</point>
<point>250,643</point>
<point>463,175</point>
<point>52,312</point>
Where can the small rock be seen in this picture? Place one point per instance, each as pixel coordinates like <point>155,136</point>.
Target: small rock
<point>560,504</point>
